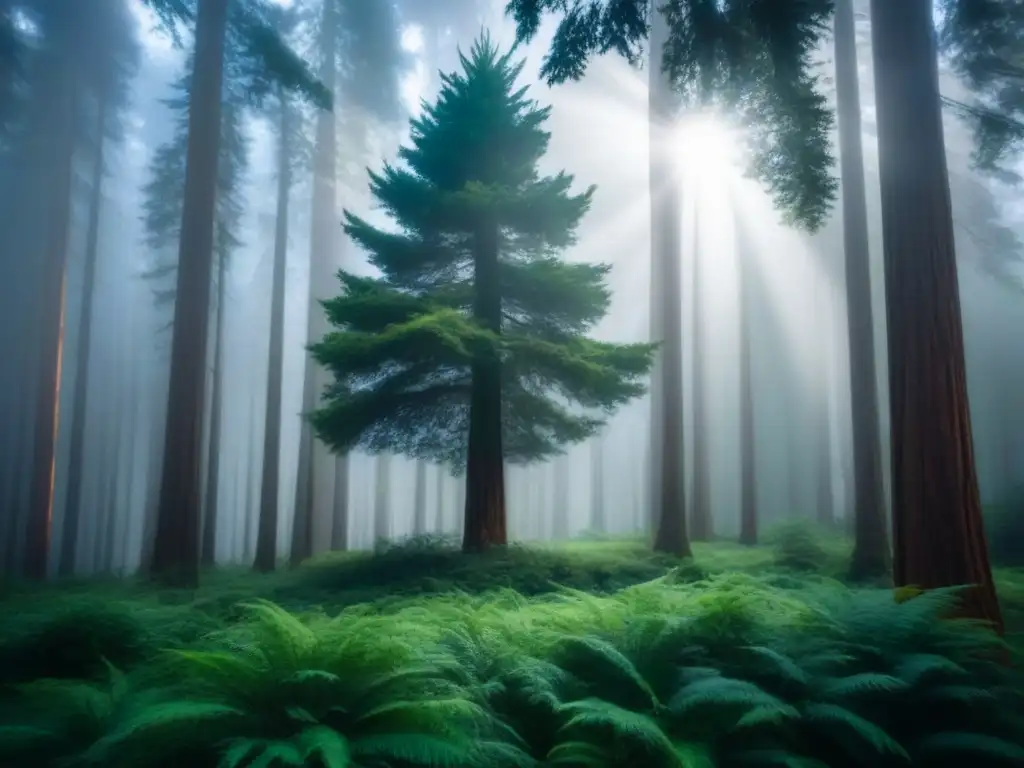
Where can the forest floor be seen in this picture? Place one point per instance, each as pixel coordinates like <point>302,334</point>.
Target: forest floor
<point>585,653</point>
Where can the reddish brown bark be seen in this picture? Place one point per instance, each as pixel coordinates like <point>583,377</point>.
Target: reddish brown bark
<point>485,515</point>
<point>51,342</point>
<point>871,542</point>
<point>938,535</point>
<point>176,549</point>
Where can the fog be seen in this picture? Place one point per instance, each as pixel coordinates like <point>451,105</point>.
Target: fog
<point>599,133</point>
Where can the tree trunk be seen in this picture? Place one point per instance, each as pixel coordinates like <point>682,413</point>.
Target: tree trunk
<point>667,460</point>
<point>701,527</point>
<point>748,440</point>
<point>314,494</point>
<point>419,525</point>
<point>560,513</point>
<point>176,550</point>
<point>598,513</point>
<point>440,524</point>
<point>485,515</point>
<point>113,473</point>
<point>253,469</point>
<point>76,458</point>
<point>382,500</point>
<point>51,342</point>
<point>871,544</point>
<point>211,507</point>
<point>266,537</point>
<point>938,534</point>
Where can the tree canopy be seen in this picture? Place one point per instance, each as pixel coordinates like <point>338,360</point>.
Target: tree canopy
<point>752,59</point>
<point>472,272</point>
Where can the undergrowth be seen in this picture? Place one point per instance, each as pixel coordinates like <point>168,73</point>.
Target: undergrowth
<point>634,661</point>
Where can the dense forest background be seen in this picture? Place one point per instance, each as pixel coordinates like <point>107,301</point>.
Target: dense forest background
<point>93,151</point>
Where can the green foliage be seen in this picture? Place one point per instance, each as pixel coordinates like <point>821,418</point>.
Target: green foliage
<point>164,192</point>
<point>726,670</point>
<point>797,546</point>
<point>751,59</point>
<point>982,40</point>
<point>408,341</point>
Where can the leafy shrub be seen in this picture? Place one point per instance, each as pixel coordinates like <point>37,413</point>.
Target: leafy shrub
<point>797,545</point>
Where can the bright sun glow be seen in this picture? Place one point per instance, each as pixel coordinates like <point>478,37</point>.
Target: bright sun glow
<point>705,145</point>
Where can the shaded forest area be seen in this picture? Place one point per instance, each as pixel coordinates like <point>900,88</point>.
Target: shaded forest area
<point>187,579</point>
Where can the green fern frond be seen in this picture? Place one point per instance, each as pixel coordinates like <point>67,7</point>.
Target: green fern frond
<point>762,715</point>
<point>591,653</point>
<point>965,694</point>
<point>973,746</point>
<point>621,723</point>
<point>831,715</point>
<point>917,667</point>
<point>782,665</point>
<point>723,691</point>
<point>329,748</point>
<point>411,749</point>
<point>861,683</point>
<point>577,754</point>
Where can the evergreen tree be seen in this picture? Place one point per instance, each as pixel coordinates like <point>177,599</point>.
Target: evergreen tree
<point>470,349</point>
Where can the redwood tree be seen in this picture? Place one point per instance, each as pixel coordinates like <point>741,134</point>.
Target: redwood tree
<point>938,535</point>
<point>454,354</point>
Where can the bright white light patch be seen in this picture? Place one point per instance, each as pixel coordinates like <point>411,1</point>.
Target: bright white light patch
<point>705,145</point>
<point>412,38</point>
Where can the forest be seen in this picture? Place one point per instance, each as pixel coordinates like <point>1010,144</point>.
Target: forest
<point>511,383</point>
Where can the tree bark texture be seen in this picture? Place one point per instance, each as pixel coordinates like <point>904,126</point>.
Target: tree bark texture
<point>748,437</point>
<point>210,507</point>
<point>419,516</point>
<point>382,500</point>
<point>938,534</point>
<point>80,395</point>
<point>701,527</point>
<point>270,481</point>
<point>176,549</point>
<point>485,515</point>
<point>871,542</point>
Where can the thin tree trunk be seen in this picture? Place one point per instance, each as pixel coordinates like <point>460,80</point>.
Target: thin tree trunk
<point>701,527</point>
<point>871,543</point>
<point>76,457</point>
<point>560,513</point>
<point>113,478</point>
<point>253,470</point>
<point>748,438</point>
<point>440,525</point>
<point>211,507</point>
<point>598,513</point>
<point>266,537</point>
<point>315,495</point>
<point>486,517</point>
<point>666,206</point>
<point>938,534</point>
<point>419,525</point>
<point>51,342</point>
<point>176,550</point>
<point>381,500</point>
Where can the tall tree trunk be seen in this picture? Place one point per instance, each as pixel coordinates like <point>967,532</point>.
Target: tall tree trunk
<point>701,527</point>
<point>266,537</point>
<point>76,458</point>
<point>748,438</point>
<point>598,513</point>
<point>211,506</point>
<point>486,518</point>
<point>560,513</point>
<point>871,543</point>
<point>253,469</point>
<point>131,478</point>
<point>314,494</point>
<point>113,477</point>
<point>938,534</point>
<point>667,459</point>
<point>382,500</point>
<point>176,550</point>
<point>51,342</point>
<point>339,523</point>
<point>440,525</point>
<point>419,517</point>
